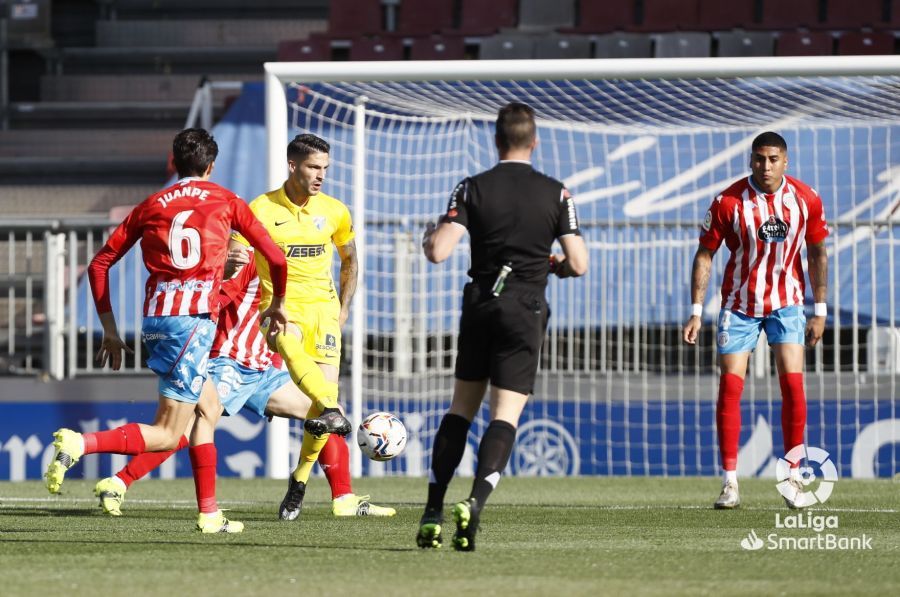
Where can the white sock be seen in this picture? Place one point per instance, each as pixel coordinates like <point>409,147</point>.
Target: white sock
<point>120,482</point>
<point>731,477</point>
<point>795,473</point>
<point>346,496</point>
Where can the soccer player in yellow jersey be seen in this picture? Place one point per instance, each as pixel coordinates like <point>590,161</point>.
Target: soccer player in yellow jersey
<point>305,223</point>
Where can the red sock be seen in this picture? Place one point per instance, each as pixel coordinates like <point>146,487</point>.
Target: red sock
<point>142,464</point>
<point>793,410</point>
<point>728,418</point>
<point>335,462</point>
<point>203,461</point>
<point>126,439</point>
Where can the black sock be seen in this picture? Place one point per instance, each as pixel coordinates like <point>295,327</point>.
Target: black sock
<point>493,456</point>
<point>446,454</point>
<point>330,409</point>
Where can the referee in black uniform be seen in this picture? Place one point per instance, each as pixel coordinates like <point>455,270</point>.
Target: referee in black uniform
<point>513,213</point>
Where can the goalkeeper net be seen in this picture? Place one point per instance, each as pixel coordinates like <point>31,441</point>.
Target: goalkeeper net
<point>617,391</point>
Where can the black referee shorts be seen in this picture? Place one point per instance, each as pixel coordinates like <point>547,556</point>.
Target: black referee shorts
<point>500,337</point>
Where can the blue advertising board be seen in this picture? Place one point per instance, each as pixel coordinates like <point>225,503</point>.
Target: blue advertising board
<point>555,439</point>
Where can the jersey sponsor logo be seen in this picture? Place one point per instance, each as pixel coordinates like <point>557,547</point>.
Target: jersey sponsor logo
<point>774,230</point>
<point>186,191</point>
<point>184,285</point>
<point>304,250</point>
<point>707,223</point>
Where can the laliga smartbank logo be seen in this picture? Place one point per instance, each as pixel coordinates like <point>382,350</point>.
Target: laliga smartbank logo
<point>796,493</point>
<point>800,490</point>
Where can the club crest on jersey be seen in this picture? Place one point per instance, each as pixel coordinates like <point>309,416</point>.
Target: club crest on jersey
<point>319,222</point>
<point>772,231</point>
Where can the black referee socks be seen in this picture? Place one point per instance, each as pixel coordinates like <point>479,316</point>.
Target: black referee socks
<point>493,456</point>
<point>446,454</point>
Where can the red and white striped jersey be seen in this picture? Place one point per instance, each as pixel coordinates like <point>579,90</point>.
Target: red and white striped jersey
<point>765,233</point>
<point>184,232</point>
<point>238,336</point>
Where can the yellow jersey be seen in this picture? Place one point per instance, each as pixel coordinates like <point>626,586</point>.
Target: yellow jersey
<point>307,236</point>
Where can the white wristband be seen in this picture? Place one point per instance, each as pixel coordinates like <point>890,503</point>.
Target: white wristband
<point>696,310</point>
<point>820,309</point>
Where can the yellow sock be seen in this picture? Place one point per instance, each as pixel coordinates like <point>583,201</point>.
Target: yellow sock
<point>306,373</point>
<point>309,450</point>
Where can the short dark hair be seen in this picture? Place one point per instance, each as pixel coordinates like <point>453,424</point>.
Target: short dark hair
<point>193,150</point>
<point>515,126</point>
<point>305,145</point>
<point>769,139</point>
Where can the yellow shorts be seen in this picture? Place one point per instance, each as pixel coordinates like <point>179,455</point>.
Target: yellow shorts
<point>320,330</point>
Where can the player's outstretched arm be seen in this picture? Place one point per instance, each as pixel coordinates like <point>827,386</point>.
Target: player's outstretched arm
<point>817,256</point>
<point>700,272</point>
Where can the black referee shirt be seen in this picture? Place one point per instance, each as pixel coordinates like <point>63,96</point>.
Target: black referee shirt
<point>513,214</point>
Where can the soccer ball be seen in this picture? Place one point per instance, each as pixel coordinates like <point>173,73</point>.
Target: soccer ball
<point>381,436</point>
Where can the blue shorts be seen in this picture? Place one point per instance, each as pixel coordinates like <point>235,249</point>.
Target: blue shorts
<point>177,351</point>
<point>241,387</point>
<point>740,333</point>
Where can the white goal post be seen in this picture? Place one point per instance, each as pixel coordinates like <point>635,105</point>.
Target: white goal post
<point>679,126</point>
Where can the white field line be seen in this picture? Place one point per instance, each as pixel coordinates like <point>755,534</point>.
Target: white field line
<point>20,502</point>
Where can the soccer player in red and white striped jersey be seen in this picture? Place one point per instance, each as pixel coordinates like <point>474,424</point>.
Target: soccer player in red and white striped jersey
<point>765,220</point>
<point>247,375</point>
<point>184,232</point>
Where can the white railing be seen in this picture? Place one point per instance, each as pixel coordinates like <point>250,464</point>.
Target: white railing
<point>48,324</point>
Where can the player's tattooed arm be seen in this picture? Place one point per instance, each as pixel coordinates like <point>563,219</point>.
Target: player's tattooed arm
<point>818,271</point>
<point>699,282</point>
<point>349,275</point>
<point>700,272</point>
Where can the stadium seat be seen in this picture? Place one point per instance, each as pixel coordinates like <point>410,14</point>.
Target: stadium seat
<point>478,17</point>
<point>859,43</point>
<point>606,16</point>
<point>506,47</point>
<point>666,15</point>
<point>424,17</point>
<point>683,44</point>
<point>562,47</point>
<point>315,49</point>
<point>546,14</point>
<point>352,18</point>
<point>804,43</point>
<point>623,45</point>
<point>377,48</point>
<point>802,13</point>
<point>450,47</point>
<point>853,14</point>
<point>745,43</point>
<point>715,14</point>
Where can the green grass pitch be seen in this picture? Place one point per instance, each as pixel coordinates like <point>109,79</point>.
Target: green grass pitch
<point>582,536</point>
